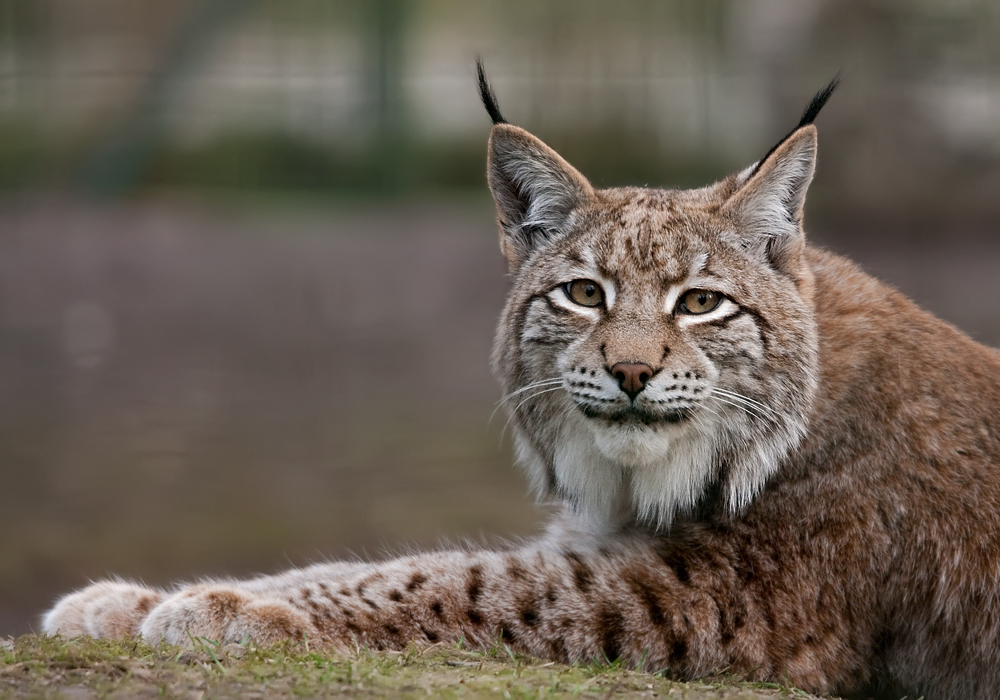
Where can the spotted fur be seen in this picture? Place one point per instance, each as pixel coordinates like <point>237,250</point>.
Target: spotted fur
<point>805,489</point>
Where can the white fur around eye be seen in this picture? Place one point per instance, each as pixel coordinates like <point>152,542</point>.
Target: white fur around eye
<point>726,307</point>
<point>673,294</point>
<point>558,295</point>
<point>609,291</point>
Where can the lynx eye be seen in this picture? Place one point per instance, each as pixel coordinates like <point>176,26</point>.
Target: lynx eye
<point>699,301</point>
<point>585,292</point>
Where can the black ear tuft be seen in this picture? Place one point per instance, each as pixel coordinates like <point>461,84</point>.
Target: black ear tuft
<point>487,96</point>
<point>808,117</point>
<point>812,111</point>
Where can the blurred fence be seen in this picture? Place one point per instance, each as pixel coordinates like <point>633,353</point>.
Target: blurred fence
<point>339,95</point>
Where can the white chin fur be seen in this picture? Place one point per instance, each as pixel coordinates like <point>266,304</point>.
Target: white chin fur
<point>623,473</point>
<point>634,445</point>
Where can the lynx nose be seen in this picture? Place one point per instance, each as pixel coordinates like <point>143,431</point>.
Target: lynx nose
<point>632,376</point>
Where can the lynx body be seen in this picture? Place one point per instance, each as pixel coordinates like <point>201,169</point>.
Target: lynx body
<point>769,462</point>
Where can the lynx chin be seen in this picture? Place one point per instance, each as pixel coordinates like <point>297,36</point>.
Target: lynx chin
<point>768,461</point>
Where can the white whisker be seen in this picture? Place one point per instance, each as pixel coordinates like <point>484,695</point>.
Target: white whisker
<point>747,399</point>
<point>709,409</point>
<point>543,382</point>
<point>513,411</point>
<point>746,409</point>
<point>533,396</point>
<point>533,385</point>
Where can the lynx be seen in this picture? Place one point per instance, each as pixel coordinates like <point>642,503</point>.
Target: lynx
<point>766,461</point>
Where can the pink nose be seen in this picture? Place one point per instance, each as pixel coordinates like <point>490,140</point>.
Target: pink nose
<point>632,376</point>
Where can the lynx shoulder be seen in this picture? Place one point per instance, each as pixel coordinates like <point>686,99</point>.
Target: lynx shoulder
<point>769,462</point>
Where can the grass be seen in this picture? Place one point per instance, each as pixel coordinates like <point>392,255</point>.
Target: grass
<point>82,668</point>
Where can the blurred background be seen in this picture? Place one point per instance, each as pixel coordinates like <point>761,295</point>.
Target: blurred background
<point>248,264</point>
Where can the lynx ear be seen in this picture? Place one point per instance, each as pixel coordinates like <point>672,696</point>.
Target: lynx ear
<point>770,195</point>
<point>767,208</point>
<point>534,188</point>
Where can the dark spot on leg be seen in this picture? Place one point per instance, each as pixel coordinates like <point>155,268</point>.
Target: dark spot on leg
<point>437,609</point>
<point>416,582</point>
<point>395,596</point>
<point>347,612</point>
<point>474,616</point>
<point>516,571</point>
<point>431,635</point>
<point>475,585</point>
<point>529,616</point>
<point>675,560</point>
<point>507,635</point>
<point>768,615</point>
<point>353,628</point>
<point>392,630</point>
<point>678,652</point>
<point>649,598</point>
<point>370,603</point>
<point>744,570</point>
<point>145,604</point>
<point>738,619</point>
<point>558,651</point>
<point>725,628</point>
<point>583,577</point>
<point>612,625</point>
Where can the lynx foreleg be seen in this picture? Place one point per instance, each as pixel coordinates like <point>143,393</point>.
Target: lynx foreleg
<point>546,599</point>
<point>549,600</point>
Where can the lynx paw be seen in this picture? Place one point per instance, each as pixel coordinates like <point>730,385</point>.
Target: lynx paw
<point>105,609</point>
<point>227,614</point>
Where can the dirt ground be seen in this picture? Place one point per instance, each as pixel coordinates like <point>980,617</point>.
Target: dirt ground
<point>192,388</point>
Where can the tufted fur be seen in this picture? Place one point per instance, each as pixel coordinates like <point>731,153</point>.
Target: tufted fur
<point>805,490</point>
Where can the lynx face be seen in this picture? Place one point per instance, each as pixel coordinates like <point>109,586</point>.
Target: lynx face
<point>657,345</point>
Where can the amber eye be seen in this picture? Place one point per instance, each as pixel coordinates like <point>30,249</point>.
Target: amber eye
<point>699,301</point>
<point>585,292</point>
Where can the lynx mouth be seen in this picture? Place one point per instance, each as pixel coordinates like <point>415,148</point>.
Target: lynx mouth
<point>638,415</point>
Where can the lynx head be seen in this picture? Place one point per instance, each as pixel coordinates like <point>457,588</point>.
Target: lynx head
<point>657,346</point>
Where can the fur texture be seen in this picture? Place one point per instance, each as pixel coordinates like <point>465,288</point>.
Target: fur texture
<point>770,462</point>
